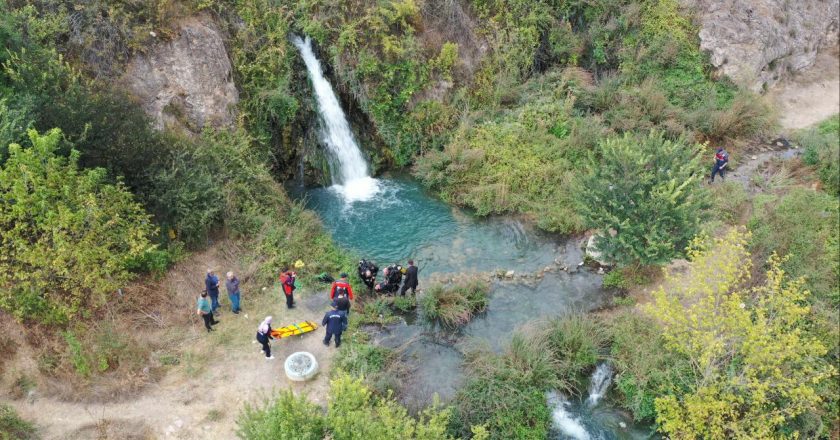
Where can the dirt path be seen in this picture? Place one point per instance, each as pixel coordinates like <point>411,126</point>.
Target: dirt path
<point>200,397</point>
<point>811,96</point>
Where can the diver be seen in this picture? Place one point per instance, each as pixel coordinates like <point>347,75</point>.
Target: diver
<point>367,272</point>
<point>393,277</point>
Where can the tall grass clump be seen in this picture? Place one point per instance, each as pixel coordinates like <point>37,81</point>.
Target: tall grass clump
<point>455,305</point>
<point>576,343</point>
<point>506,392</point>
<point>12,427</point>
<point>822,150</point>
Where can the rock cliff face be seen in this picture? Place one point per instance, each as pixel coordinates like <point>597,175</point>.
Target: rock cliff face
<point>759,42</point>
<point>186,82</point>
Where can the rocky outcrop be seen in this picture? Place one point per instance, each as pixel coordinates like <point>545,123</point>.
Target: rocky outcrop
<point>186,82</point>
<point>759,42</point>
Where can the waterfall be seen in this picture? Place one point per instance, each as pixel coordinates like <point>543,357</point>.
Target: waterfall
<point>568,425</point>
<point>348,168</point>
<point>600,382</point>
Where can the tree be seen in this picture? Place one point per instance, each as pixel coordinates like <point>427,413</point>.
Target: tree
<point>644,195</point>
<point>67,235</point>
<point>755,366</point>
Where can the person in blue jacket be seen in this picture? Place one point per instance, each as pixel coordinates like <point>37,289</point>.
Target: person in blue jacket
<point>335,321</point>
<point>211,284</point>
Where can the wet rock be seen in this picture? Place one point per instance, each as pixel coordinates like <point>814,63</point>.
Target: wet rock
<point>186,82</point>
<point>754,157</point>
<point>594,254</point>
<point>600,271</point>
<point>622,425</point>
<point>509,274</point>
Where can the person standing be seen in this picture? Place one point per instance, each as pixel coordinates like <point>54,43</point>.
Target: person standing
<point>410,279</point>
<point>205,310</point>
<point>264,335</point>
<point>211,284</point>
<point>335,321</point>
<point>721,159</point>
<point>287,281</point>
<point>342,286</point>
<point>232,286</point>
<point>342,303</point>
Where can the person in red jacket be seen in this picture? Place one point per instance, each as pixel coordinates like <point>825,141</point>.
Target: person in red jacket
<point>341,287</point>
<point>287,280</point>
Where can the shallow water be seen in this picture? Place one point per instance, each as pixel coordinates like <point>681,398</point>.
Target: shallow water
<point>403,221</point>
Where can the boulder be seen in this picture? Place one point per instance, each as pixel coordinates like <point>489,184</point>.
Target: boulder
<point>186,82</point>
<point>594,254</point>
<point>759,42</point>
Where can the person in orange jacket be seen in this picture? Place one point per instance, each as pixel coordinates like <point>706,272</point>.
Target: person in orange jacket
<point>341,287</point>
<point>287,280</point>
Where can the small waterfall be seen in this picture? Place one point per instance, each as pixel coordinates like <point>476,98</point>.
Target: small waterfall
<point>563,420</point>
<point>347,165</point>
<point>600,382</point>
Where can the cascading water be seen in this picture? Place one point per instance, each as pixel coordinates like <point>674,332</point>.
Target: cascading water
<point>348,168</point>
<point>600,382</point>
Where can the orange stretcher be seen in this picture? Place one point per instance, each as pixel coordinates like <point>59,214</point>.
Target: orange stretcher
<point>293,330</point>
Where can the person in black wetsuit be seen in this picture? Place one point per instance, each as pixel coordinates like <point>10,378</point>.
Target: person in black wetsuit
<point>393,276</point>
<point>410,279</point>
<point>367,273</point>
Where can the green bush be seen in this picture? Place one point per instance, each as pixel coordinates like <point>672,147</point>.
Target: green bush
<point>644,193</point>
<point>70,236</point>
<point>455,305</point>
<point>353,413</point>
<point>12,427</point>
<point>577,343</point>
<point>287,416</point>
<point>822,149</point>
<point>506,392</point>
<point>644,371</point>
<point>801,225</point>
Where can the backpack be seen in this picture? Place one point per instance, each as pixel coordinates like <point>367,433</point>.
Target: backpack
<point>340,290</point>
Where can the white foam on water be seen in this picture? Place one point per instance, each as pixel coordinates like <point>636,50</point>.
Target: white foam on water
<point>565,422</point>
<point>600,383</point>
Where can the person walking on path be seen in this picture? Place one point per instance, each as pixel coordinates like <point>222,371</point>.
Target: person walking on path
<point>335,321</point>
<point>232,286</point>
<point>264,335</point>
<point>342,286</point>
<point>287,280</point>
<point>211,284</point>
<point>721,159</point>
<point>205,310</point>
<point>410,279</point>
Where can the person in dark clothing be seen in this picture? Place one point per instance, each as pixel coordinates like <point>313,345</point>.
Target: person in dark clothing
<point>393,276</point>
<point>335,321</point>
<point>232,286</point>
<point>721,159</point>
<point>410,279</point>
<point>287,280</point>
<point>264,335</point>
<point>205,310</point>
<point>342,303</point>
<point>367,272</point>
<point>211,283</point>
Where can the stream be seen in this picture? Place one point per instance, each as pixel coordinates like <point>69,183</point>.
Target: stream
<point>392,219</point>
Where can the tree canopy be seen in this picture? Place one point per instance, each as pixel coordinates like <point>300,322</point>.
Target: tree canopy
<point>68,235</point>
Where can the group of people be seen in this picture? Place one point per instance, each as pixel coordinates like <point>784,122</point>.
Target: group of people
<point>341,294</point>
<point>392,277</point>
<point>208,303</point>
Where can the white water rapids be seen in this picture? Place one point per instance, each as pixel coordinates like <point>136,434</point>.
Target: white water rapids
<point>349,170</point>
